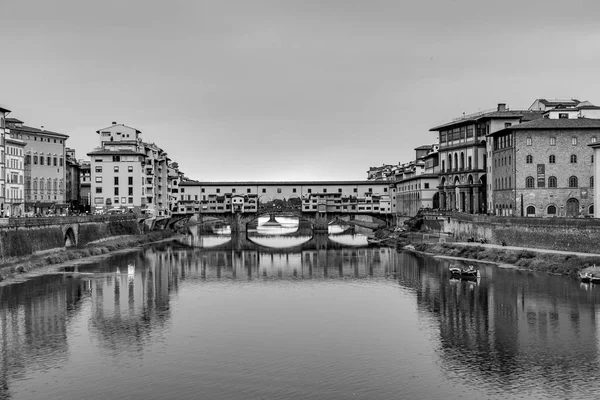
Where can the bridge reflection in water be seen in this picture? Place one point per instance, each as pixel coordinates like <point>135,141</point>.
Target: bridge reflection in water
<point>512,334</point>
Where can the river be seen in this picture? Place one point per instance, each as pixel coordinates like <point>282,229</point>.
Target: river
<point>294,316</point>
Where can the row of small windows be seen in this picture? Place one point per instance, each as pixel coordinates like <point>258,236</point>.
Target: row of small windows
<point>551,210</point>
<point>264,190</point>
<point>574,140</point>
<point>552,159</point>
<point>98,169</point>
<point>41,160</point>
<point>553,182</point>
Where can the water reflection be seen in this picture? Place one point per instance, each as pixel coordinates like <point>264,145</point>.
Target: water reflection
<point>511,334</point>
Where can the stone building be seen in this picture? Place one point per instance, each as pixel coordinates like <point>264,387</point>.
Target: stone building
<point>464,167</point>
<point>545,167</point>
<point>3,131</point>
<point>44,167</point>
<point>72,179</point>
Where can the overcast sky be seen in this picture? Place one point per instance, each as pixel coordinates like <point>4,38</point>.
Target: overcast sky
<point>288,90</point>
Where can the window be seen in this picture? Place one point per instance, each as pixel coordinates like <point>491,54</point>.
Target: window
<point>573,158</point>
<point>49,159</point>
<point>591,181</point>
<point>248,190</point>
<point>551,210</point>
<point>573,182</point>
<point>54,161</point>
<point>116,180</point>
<point>355,190</point>
<point>507,124</point>
<point>309,190</point>
<point>116,168</point>
<point>278,190</point>
<point>116,158</point>
<point>130,191</point>
<point>35,160</point>
<point>552,159</point>
<point>99,169</point>
<point>218,190</point>
<point>98,189</point>
<point>130,180</point>
<point>528,141</point>
<point>529,182</point>
<point>123,199</point>
<point>426,185</point>
<point>594,139</point>
<point>265,191</point>
<point>529,159</point>
<point>552,141</point>
<point>116,200</point>
<point>552,182</point>
<point>130,168</point>
<point>41,160</point>
<point>563,115</point>
<point>60,162</point>
<point>116,191</point>
<point>530,210</point>
<point>98,179</point>
<point>130,200</point>
<point>574,140</point>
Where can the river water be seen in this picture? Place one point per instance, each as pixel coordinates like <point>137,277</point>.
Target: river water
<point>216,317</point>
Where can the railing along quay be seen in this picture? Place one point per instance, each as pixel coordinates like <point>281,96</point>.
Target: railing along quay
<point>44,221</point>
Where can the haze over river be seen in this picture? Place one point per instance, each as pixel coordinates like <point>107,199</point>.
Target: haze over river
<point>212,317</point>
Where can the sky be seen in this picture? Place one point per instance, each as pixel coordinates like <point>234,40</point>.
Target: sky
<point>239,90</point>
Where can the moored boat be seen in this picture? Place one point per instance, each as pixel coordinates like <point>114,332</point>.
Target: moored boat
<point>468,273</point>
<point>594,278</point>
<point>585,277</point>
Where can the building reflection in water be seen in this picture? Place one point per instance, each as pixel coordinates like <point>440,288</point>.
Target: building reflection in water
<point>507,331</point>
<point>510,329</point>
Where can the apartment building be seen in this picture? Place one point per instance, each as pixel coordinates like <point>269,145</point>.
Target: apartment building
<point>14,160</point>
<point>127,173</point>
<point>3,132</point>
<point>73,183</point>
<point>44,167</point>
<point>415,184</point>
<point>85,185</point>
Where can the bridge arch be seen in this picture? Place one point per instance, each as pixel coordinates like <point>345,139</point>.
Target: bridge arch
<point>70,238</point>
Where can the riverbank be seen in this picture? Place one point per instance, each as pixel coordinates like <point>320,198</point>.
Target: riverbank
<point>530,259</point>
<point>16,266</point>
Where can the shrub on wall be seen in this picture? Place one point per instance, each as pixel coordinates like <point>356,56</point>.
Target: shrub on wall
<point>22,241</point>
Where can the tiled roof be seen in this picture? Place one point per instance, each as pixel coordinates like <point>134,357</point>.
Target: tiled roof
<point>560,123</point>
<point>38,131</point>
<point>549,124</point>
<point>108,127</point>
<point>555,102</point>
<point>525,114</point>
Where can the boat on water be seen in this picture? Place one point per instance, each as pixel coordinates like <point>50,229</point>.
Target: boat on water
<point>464,273</point>
<point>585,277</point>
<point>373,240</point>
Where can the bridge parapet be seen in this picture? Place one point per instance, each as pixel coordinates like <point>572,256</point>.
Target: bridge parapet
<point>45,221</point>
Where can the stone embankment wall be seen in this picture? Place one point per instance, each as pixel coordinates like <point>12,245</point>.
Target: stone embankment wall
<point>29,236</point>
<point>581,235</point>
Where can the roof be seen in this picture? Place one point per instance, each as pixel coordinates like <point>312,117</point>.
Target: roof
<point>4,109</point>
<point>13,120</point>
<point>547,124</point>
<point>30,129</point>
<point>555,102</point>
<point>116,153</point>
<point>425,147</point>
<point>524,114</point>
<point>281,183</point>
<point>108,127</point>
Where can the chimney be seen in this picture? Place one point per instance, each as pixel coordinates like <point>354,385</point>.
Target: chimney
<point>42,128</point>
<point>114,123</point>
<point>501,106</point>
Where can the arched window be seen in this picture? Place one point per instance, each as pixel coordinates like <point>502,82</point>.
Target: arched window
<point>462,161</point>
<point>591,181</point>
<point>456,161</point>
<point>573,158</point>
<point>529,182</point>
<point>35,184</point>
<point>551,210</point>
<point>449,162</point>
<point>529,159</point>
<point>552,159</point>
<point>552,182</point>
<point>591,210</point>
<point>530,210</point>
<point>573,183</point>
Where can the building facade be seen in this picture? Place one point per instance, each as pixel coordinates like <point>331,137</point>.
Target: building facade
<point>72,179</point>
<point>464,152</point>
<point>44,166</point>
<point>544,168</point>
<point>14,153</point>
<point>3,132</point>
